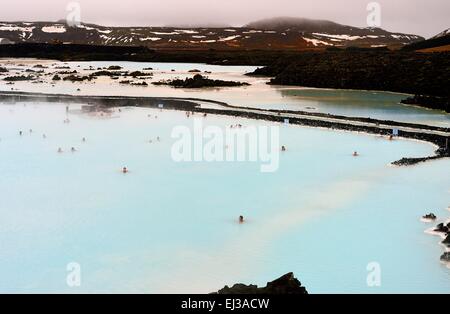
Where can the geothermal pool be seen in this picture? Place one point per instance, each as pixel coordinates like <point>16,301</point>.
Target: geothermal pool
<point>379,105</point>
<point>172,227</point>
<point>168,227</point>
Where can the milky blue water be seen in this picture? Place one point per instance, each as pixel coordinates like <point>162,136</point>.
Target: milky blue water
<point>379,105</point>
<point>172,227</point>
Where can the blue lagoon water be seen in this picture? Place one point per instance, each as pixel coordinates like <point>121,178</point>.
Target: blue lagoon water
<point>171,226</point>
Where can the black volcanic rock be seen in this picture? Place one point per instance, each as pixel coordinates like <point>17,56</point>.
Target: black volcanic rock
<point>447,240</point>
<point>199,81</point>
<point>139,84</point>
<point>405,72</point>
<point>139,73</point>
<point>433,102</point>
<point>445,257</point>
<point>3,70</point>
<point>441,228</point>
<point>76,78</point>
<point>19,78</point>
<point>430,216</point>
<point>286,284</point>
<point>114,67</point>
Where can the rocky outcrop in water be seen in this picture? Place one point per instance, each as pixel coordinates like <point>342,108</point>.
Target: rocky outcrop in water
<point>76,78</point>
<point>135,74</point>
<point>106,73</point>
<point>286,284</point>
<point>442,228</point>
<point>446,257</point>
<point>19,78</point>
<point>114,67</point>
<point>430,216</point>
<point>199,81</point>
<point>447,240</point>
<point>139,84</point>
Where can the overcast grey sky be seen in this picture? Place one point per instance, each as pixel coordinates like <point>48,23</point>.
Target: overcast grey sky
<point>421,17</point>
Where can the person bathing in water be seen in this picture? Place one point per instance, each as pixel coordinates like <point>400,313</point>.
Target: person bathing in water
<point>355,154</point>
<point>241,219</point>
<point>60,150</point>
<point>124,170</point>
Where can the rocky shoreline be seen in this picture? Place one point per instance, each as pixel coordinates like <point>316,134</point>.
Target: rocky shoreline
<point>442,230</point>
<point>432,102</point>
<point>430,134</point>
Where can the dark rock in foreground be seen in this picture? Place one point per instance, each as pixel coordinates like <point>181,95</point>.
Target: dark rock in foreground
<point>199,81</point>
<point>286,284</point>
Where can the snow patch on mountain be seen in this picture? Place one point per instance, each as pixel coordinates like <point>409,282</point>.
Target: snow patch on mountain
<point>442,34</point>
<point>54,29</point>
<point>150,38</point>
<point>186,31</point>
<point>107,31</point>
<point>165,33</point>
<point>229,38</point>
<point>316,42</point>
<point>342,37</point>
<point>15,28</point>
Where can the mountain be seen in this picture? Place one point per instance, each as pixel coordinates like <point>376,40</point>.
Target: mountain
<point>442,34</point>
<point>438,43</point>
<point>275,34</point>
<point>304,24</point>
